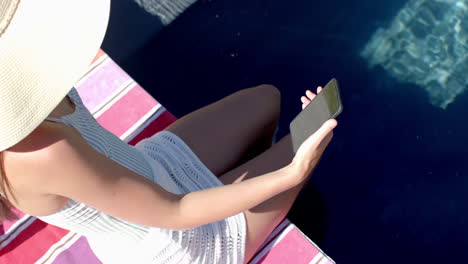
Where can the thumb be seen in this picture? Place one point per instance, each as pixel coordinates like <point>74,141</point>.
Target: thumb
<point>322,132</point>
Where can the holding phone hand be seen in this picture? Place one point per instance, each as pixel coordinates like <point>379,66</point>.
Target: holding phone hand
<point>309,153</point>
<point>309,96</point>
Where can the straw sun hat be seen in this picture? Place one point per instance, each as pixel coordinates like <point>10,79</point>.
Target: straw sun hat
<point>45,47</point>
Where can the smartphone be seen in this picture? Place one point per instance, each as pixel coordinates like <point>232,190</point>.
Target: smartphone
<point>326,105</point>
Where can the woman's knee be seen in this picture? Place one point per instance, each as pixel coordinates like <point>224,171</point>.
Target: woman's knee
<point>267,99</point>
<point>270,93</point>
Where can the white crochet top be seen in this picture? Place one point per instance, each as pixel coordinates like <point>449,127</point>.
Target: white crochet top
<point>165,159</point>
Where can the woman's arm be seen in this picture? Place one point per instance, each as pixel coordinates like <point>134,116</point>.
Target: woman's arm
<point>56,160</point>
<point>210,205</point>
<point>218,203</point>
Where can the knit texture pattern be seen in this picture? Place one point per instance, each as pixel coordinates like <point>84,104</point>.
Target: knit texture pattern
<point>165,159</point>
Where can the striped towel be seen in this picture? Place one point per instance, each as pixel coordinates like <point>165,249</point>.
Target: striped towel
<point>110,95</point>
<point>127,110</point>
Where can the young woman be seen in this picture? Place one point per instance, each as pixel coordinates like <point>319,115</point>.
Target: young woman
<point>183,195</point>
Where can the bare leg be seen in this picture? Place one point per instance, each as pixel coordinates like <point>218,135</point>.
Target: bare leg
<point>222,133</point>
<point>262,219</point>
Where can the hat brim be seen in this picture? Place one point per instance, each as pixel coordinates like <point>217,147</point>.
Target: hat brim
<point>47,47</point>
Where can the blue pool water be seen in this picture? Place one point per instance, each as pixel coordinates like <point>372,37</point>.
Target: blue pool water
<point>392,186</point>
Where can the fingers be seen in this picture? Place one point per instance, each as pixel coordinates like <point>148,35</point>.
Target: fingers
<point>306,99</point>
<point>309,96</point>
<point>326,128</point>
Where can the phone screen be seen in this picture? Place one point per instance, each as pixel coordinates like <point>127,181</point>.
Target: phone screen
<point>326,105</point>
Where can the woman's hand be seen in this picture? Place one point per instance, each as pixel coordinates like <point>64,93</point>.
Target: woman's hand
<point>309,96</point>
<point>311,150</point>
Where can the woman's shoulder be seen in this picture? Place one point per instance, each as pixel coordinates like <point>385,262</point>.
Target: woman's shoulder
<point>28,161</point>
<point>48,140</point>
<point>27,167</point>
<point>44,135</point>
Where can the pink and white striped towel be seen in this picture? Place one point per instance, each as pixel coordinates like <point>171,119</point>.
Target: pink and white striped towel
<point>127,110</point>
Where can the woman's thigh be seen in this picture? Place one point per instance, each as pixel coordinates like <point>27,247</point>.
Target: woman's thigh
<point>263,218</point>
<point>222,132</point>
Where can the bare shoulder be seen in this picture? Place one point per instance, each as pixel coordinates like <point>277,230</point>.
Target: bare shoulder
<point>41,139</point>
<point>41,155</point>
<point>35,161</point>
<point>55,162</point>
<point>45,144</point>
